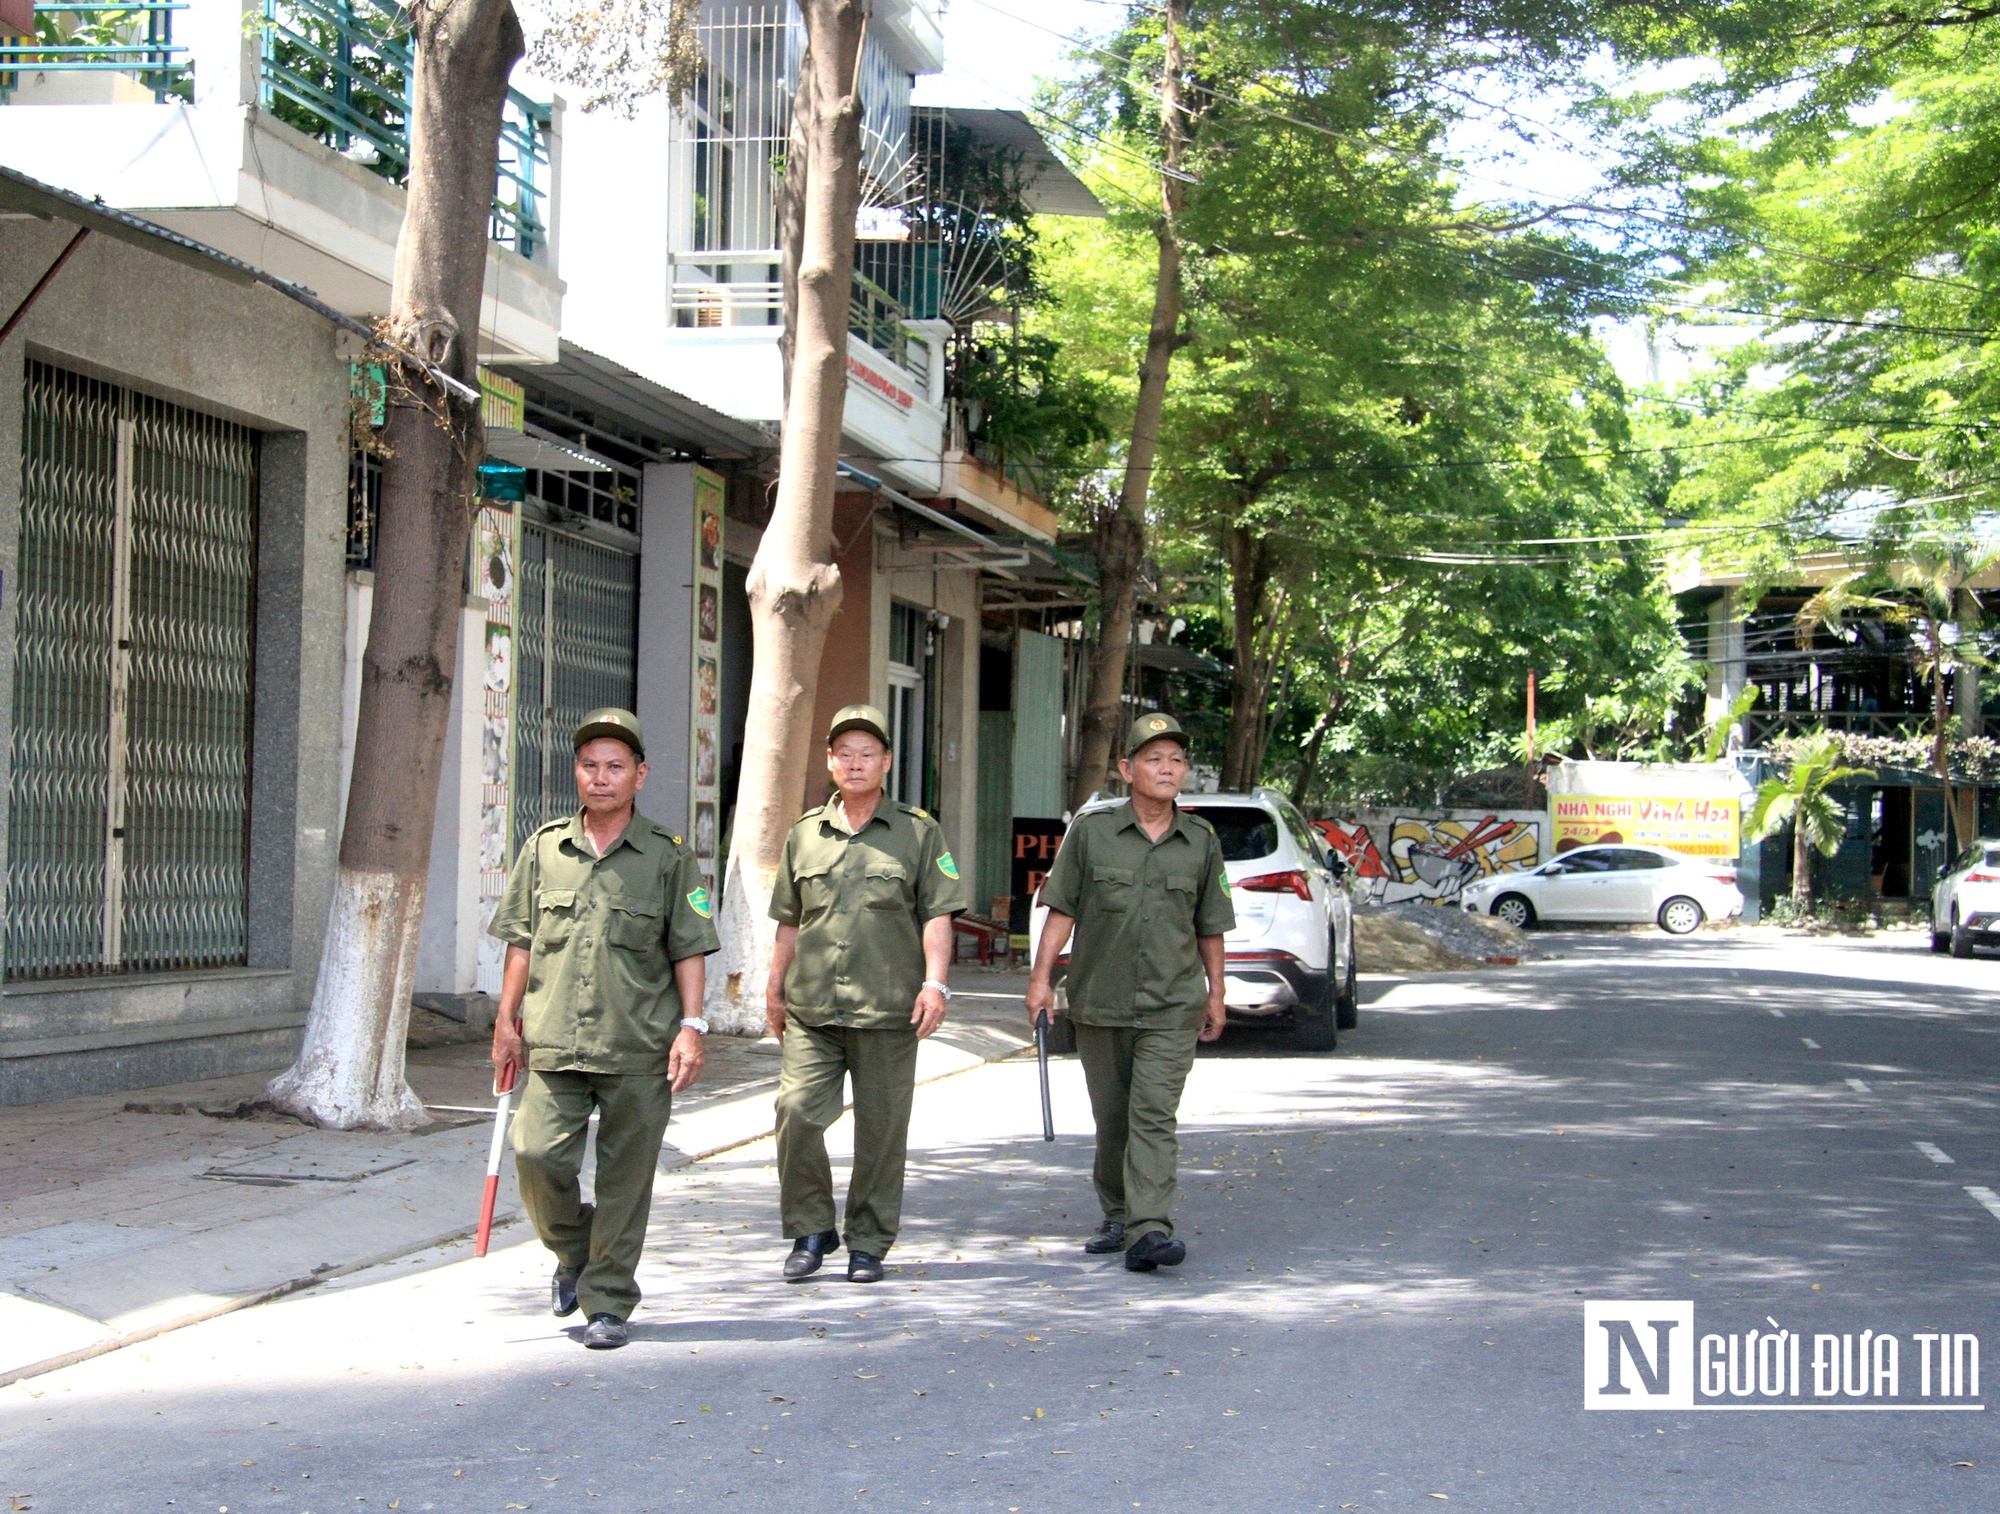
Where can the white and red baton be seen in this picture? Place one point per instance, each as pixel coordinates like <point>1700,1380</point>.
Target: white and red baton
<point>503,1090</point>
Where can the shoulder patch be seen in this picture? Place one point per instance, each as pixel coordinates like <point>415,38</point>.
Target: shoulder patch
<point>698,902</point>
<point>947,866</point>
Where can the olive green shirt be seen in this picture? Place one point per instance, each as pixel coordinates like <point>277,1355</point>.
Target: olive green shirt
<point>861,901</point>
<point>602,935</point>
<point>1139,906</point>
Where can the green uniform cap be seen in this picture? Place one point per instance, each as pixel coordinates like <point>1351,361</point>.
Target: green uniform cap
<point>620,725</point>
<point>1151,728</point>
<point>859,717</point>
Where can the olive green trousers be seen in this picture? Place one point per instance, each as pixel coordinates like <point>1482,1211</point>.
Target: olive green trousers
<point>549,1134</point>
<point>817,1061</point>
<point>1135,1077</point>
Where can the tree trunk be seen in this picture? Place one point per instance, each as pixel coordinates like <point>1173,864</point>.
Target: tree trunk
<point>1801,860</point>
<point>349,1073</point>
<point>1249,577</point>
<point>1309,758</point>
<point>794,587</point>
<point>1121,542</point>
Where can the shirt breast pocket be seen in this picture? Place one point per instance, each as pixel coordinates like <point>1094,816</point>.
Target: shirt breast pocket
<point>1180,894</point>
<point>633,924</point>
<point>888,886</point>
<point>1111,889</point>
<point>555,918</point>
<point>815,885</point>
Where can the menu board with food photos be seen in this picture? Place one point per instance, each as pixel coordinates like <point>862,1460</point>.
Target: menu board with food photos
<point>705,716</point>
<point>496,544</point>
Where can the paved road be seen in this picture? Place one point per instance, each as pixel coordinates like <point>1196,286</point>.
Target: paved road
<point>1382,1309</point>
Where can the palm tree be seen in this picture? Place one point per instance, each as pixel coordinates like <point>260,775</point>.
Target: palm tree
<point>1801,796</point>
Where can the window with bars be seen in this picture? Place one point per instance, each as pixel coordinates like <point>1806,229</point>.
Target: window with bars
<point>129,780</point>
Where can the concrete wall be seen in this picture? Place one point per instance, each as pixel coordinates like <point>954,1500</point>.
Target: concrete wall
<point>248,354</point>
<point>1431,854</point>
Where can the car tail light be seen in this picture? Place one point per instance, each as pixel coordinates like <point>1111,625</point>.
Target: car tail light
<point>1982,877</point>
<point>1276,883</point>
<point>1723,877</point>
<point>1260,956</point>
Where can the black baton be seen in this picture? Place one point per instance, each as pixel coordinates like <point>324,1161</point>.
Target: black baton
<point>1042,1057</point>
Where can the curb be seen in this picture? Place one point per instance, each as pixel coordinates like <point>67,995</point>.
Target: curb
<point>13,1375</point>
<point>245,1301</point>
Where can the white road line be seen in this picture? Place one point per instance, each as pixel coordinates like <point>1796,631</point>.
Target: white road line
<point>1811,1044</point>
<point>1987,1199</point>
<point>1777,1014</point>
<point>1933,1152</point>
<point>1857,1085</point>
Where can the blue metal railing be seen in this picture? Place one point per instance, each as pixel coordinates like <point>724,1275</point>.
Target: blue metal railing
<point>339,70</point>
<point>134,38</point>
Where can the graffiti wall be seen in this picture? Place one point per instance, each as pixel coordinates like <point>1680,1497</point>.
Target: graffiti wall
<point>1394,855</point>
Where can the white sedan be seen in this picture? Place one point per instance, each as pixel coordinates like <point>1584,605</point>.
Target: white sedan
<point>1628,883</point>
<point>1965,906</point>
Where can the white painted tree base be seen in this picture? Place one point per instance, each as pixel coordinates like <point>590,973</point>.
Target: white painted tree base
<point>349,1074</point>
<point>734,1000</point>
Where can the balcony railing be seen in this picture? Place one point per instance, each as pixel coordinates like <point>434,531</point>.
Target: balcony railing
<point>132,41</point>
<point>877,318</point>
<point>339,70</point>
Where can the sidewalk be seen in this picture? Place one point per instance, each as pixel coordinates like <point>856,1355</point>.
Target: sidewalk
<point>126,1215</point>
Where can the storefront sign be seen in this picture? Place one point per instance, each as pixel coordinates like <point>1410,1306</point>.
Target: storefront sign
<point>1034,853</point>
<point>881,383</point>
<point>1696,827</point>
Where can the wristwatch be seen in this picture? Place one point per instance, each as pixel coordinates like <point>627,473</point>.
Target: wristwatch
<point>696,1024</point>
<point>943,989</point>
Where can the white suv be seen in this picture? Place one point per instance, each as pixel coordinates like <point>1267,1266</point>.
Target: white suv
<point>1965,905</point>
<point>1290,960</point>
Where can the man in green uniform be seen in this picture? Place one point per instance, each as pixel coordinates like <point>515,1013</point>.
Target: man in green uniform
<point>606,922</point>
<point>864,897</point>
<point>1144,888</point>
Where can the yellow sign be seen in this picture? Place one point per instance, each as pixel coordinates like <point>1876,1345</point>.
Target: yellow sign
<point>1695,827</point>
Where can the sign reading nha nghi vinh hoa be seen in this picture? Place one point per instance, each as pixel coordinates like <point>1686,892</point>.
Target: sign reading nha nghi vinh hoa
<point>1694,808</point>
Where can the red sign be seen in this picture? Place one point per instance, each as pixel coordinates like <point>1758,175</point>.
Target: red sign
<point>881,383</point>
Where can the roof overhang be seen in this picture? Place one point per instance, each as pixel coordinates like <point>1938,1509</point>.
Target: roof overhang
<point>1049,187</point>
<point>609,387</point>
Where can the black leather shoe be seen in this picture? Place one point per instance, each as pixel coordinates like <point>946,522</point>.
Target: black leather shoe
<point>562,1291</point>
<point>605,1332</point>
<point>863,1267</point>
<point>1154,1249</point>
<point>1109,1237</point>
<point>808,1251</point>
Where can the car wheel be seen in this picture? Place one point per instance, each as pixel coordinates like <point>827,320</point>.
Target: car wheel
<point>1961,938</point>
<point>1681,916</point>
<point>1314,1028</point>
<point>1346,1007</point>
<point>1515,910</point>
<point>1940,940</point>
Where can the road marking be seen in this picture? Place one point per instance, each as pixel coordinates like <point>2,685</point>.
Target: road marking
<point>1777,1014</point>
<point>1857,1085</point>
<point>1933,1152</point>
<point>1988,1199</point>
<point>1811,1044</point>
